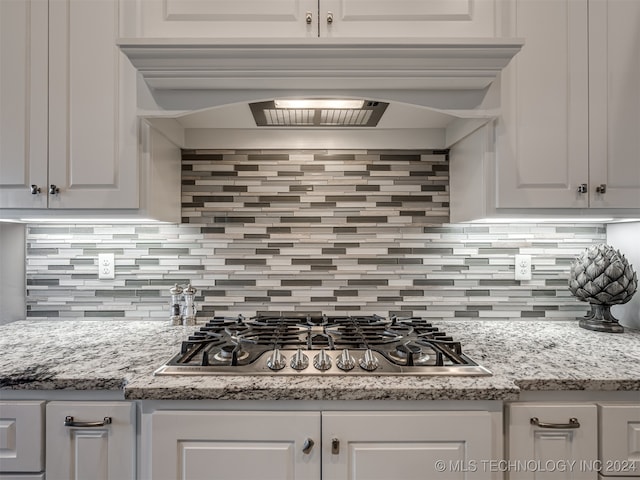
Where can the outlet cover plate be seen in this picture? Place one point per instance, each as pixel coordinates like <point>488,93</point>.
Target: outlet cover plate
<point>523,267</point>
<point>106,266</point>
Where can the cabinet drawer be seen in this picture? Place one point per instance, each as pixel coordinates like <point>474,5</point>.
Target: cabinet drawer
<point>21,437</point>
<point>619,446</point>
<point>553,435</point>
<point>92,440</point>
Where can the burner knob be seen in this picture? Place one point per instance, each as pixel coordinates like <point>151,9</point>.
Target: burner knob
<point>346,362</point>
<point>299,361</point>
<point>322,361</point>
<point>369,362</point>
<point>276,361</point>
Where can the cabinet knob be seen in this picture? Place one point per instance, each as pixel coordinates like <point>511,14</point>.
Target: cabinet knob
<point>35,189</point>
<point>53,190</point>
<point>307,446</point>
<point>582,188</point>
<point>309,18</point>
<point>329,18</point>
<point>602,188</point>
<point>335,446</point>
<point>573,423</point>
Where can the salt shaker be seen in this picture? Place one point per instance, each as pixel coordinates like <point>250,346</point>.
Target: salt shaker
<point>175,305</point>
<point>189,314</point>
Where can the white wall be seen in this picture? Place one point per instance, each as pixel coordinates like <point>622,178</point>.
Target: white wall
<point>626,238</point>
<point>12,272</point>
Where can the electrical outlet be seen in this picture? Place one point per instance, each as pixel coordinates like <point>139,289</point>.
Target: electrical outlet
<point>106,266</point>
<point>523,267</point>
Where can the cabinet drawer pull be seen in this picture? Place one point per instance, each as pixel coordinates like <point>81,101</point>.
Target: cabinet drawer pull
<point>582,188</point>
<point>601,189</point>
<point>573,423</point>
<point>329,18</point>
<point>308,18</point>
<point>308,445</point>
<point>53,190</point>
<point>35,189</point>
<point>68,422</point>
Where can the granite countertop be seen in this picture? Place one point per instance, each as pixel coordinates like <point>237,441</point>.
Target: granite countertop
<point>122,356</point>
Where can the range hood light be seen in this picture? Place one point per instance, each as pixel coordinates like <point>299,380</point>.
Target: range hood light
<point>319,103</point>
<point>318,112</point>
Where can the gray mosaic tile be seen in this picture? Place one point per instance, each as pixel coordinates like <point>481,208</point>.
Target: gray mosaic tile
<point>347,232</point>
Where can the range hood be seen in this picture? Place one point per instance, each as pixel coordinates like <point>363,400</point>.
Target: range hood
<point>405,64</point>
<point>449,79</point>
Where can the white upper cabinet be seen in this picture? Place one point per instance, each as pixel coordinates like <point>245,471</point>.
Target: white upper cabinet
<point>68,130</point>
<point>313,18</point>
<point>408,18</point>
<point>69,142</point>
<point>571,131</point>
<point>23,103</point>
<point>543,153</point>
<point>92,124</point>
<point>568,139</point>
<point>614,103</point>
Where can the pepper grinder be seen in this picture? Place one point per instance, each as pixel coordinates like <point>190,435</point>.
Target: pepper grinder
<point>189,315</point>
<point>176,300</point>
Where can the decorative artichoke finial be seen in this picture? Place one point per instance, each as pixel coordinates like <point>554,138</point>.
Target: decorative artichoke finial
<point>603,277</point>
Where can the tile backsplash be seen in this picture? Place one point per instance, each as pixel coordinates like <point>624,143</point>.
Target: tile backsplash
<point>350,232</point>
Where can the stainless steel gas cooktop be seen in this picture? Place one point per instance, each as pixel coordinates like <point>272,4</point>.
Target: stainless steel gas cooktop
<point>320,345</point>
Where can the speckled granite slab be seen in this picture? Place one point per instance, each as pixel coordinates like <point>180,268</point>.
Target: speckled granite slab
<point>122,355</point>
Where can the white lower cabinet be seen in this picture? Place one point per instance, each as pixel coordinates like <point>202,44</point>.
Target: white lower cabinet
<point>405,445</point>
<point>90,440</point>
<point>552,441</point>
<point>233,445</point>
<point>22,440</point>
<point>619,445</point>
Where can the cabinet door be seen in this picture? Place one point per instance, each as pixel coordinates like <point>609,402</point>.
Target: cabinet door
<point>408,18</point>
<point>543,155</point>
<point>406,445</point>
<point>21,436</point>
<point>225,18</point>
<point>620,439</point>
<point>545,452</point>
<point>97,452</point>
<point>288,18</point>
<point>92,148</point>
<point>614,102</point>
<point>23,103</point>
<point>189,445</point>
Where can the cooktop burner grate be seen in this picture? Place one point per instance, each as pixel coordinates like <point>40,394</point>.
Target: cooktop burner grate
<point>320,345</point>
